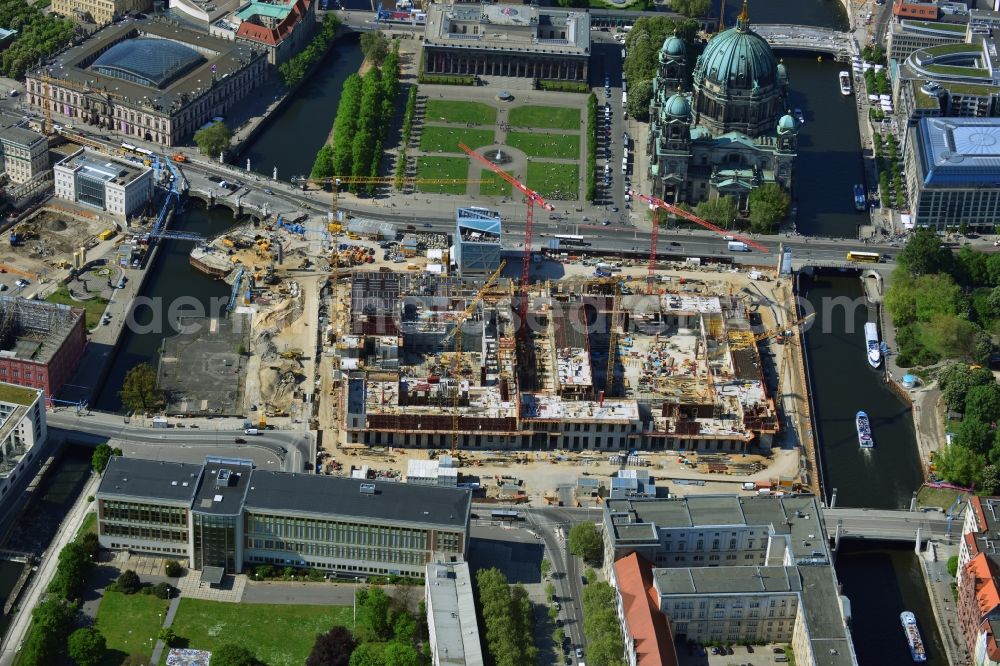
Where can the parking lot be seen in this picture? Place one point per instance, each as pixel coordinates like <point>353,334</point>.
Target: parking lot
<point>737,655</point>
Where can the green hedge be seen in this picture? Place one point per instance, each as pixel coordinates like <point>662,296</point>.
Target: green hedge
<point>294,70</point>
<point>592,147</point>
<point>440,80</point>
<point>563,86</point>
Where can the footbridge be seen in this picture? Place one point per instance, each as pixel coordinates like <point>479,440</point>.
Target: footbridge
<point>885,525</point>
<point>808,38</point>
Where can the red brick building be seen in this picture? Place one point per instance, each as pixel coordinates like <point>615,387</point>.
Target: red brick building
<point>40,343</point>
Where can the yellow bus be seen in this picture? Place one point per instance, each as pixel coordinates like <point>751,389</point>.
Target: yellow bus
<point>868,257</point>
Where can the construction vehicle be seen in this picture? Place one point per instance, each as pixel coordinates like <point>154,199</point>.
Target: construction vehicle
<point>179,158</point>
<point>21,233</point>
<point>456,331</point>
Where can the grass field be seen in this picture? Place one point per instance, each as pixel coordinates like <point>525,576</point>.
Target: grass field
<point>546,145</point>
<point>498,188</point>
<point>451,111</point>
<point>554,181</point>
<point>128,622</point>
<point>942,498</point>
<point>89,524</point>
<point>94,307</point>
<point>446,139</point>
<point>443,167</point>
<point>554,117</point>
<point>278,634</point>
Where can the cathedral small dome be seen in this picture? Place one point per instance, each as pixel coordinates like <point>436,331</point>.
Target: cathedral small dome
<point>673,46</point>
<point>786,123</point>
<point>678,106</point>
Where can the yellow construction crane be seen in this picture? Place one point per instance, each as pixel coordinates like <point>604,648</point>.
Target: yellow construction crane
<point>458,335</point>
<point>747,341</point>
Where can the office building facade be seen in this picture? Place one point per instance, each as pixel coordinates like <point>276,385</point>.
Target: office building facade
<point>25,153</point>
<point>478,236</point>
<point>951,172</point>
<point>23,434</point>
<point>119,187</point>
<point>226,514</point>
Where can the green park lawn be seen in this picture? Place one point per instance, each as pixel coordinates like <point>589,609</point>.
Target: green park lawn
<point>498,188</point>
<point>943,498</point>
<point>130,622</point>
<point>562,146</point>
<point>278,634</point>
<point>94,307</point>
<point>554,117</point>
<point>554,181</point>
<point>452,111</point>
<point>443,167</point>
<point>446,139</point>
<point>89,524</point>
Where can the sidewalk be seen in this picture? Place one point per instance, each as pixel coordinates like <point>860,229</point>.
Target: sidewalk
<point>167,621</point>
<point>938,584</point>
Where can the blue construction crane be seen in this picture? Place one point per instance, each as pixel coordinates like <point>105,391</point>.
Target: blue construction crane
<point>236,288</point>
<point>951,513</point>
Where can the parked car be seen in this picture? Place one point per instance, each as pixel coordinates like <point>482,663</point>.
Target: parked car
<point>21,282</point>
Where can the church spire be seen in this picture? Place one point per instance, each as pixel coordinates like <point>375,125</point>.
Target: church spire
<point>743,20</point>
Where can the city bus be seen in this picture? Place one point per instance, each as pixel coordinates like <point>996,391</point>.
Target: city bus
<point>568,239</point>
<point>505,515</point>
<point>866,257</point>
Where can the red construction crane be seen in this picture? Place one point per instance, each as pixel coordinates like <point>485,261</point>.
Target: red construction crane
<point>690,217</point>
<point>533,197</point>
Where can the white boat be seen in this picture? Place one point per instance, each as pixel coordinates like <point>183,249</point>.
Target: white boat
<point>872,347</point>
<point>860,202</point>
<point>864,428</point>
<point>916,643</point>
<point>845,83</point>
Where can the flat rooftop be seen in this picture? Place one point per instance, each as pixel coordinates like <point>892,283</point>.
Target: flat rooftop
<point>795,516</point>
<point>18,395</point>
<point>541,406</point>
<point>453,609</point>
<point>959,152</point>
<point>727,580</point>
<point>503,27</point>
<point>20,136</point>
<point>222,489</point>
<point>153,480</point>
<point>101,167</point>
<point>390,503</point>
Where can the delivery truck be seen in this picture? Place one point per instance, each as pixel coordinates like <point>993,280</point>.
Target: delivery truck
<point>738,246</point>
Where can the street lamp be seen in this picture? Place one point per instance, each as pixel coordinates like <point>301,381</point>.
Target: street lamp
<point>357,580</point>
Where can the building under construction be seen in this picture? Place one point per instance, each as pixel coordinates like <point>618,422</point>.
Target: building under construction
<point>605,370</point>
<point>40,343</point>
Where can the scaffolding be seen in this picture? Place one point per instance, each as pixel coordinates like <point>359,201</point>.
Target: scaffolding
<point>42,325</point>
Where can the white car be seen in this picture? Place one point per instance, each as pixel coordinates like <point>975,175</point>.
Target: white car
<point>20,282</point>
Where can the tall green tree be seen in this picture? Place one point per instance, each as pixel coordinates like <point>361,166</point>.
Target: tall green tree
<point>102,454</point>
<point>374,622</point>
<point>955,381</point>
<point>87,646</point>
<point>924,254</point>
<point>71,572</point>
<point>375,46</point>
<point>769,205</point>
<point>982,403</point>
<point>51,622</point>
<point>139,392</point>
<point>333,648</point>
<point>585,541</point>
<point>639,97</point>
<point>974,435</point>
<point>720,211</point>
<point>214,139</point>
<point>691,8</point>
<point>959,465</point>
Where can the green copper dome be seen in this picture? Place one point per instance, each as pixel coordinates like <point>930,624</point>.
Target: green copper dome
<point>738,58</point>
<point>678,106</point>
<point>673,46</point>
<point>786,122</point>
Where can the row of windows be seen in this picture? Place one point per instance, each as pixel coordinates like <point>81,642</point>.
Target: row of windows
<point>140,532</point>
<point>335,532</point>
<point>143,513</point>
<point>259,559</point>
<point>170,551</point>
<point>17,374</point>
<point>416,557</point>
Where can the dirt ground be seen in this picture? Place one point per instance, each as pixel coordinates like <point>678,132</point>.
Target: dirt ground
<point>53,236</point>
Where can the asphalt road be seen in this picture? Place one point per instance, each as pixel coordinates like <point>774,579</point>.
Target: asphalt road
<point>890,524</point>
<point>272,449</point>
<point>553,525</point>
